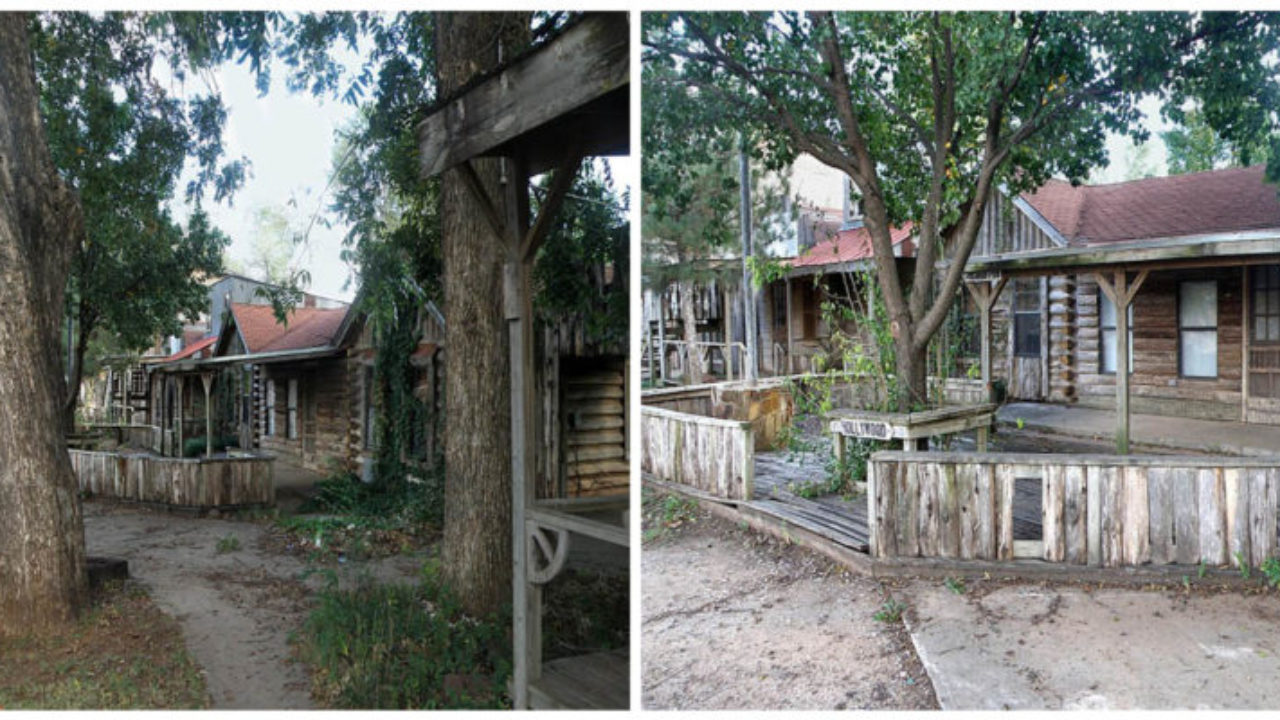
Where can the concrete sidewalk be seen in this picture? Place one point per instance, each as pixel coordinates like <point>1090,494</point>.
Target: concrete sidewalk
<point>1031,647</point>
<point>1157,431</point>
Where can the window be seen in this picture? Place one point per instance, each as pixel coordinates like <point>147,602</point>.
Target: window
<point>1198,329</point>
<point>271,407</point>
<point>292,425</point>
<point>1026,318</point>
<point>138,382</point>
<point>1266,304</point>
<point>1107,334</point>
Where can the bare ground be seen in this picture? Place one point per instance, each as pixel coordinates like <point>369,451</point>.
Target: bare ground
<point>736,619</point>
<point>237,608</point>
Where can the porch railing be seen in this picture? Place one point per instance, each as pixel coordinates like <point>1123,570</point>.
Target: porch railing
<point>708,454</point>
<point>1094,509</point>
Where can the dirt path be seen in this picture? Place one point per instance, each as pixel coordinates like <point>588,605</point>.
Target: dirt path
<point>236,608</point>
<point>734,619</point>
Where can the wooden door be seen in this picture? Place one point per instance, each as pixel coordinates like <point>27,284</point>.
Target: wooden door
<point>1028,338</point>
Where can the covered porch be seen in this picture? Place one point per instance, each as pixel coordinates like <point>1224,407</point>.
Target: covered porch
<point>1190,317</point>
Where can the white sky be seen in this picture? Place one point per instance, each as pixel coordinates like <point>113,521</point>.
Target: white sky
<point>289,138</point>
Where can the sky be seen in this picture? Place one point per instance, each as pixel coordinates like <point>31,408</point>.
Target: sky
<point>289,139</point>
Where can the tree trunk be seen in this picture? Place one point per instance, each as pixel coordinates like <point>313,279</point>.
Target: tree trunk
<point>42,565</point>
<point>75,374</point>
<point>913,376</point>
<point>689,321</point>
<point>477,518</point>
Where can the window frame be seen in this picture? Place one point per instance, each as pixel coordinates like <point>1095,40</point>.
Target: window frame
<point>1256,286</point>
<point>1018,317</point>
<point>1183,330</point>
<point>1103,329</point>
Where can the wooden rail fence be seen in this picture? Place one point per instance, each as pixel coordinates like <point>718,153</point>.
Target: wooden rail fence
<point>712,455</point>
<point>1095,510</point>
<point>202,483</point>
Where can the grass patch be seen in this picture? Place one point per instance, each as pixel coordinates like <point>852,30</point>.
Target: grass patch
<point>124,654</point>
<point>228,543</point>
<point>405,647</point>
<point>665,511</point>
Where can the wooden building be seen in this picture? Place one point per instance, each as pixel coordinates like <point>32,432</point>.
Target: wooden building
<point>1183,270</point>
<point>302,391</point>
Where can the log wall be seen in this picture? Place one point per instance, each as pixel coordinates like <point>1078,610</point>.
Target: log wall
<point>1095,510</point>
<point>193,483</point>
<point>1155,386</point>
<point>712,455</point>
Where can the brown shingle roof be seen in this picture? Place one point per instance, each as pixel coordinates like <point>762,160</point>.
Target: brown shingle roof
<point>1214,201</point>
<point>307,328</point>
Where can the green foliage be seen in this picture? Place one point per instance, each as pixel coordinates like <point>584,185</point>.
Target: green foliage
<point>396,505</point>
<point>400,647</point>
<point>1194,146</point>
<point>195,446</point>
<point>121,140</point>
<point>890,611</point>
<point>1271,570</point>
<point>228,543</point>
<point>581,269</point>
<point>955,585</point>
<point>1202,570</point>
<point>668,512</point>
<point>1245,570</point>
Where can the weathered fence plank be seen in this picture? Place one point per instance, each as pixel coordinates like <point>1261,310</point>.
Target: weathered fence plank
<point>1211,516</point>
<point>1005,481</point>
<point>984,502</point>
<point>1055,542</point>
<point>1160,510</point>
<point>1137,525</point>
<point>948,513</point>
<point>1262,515</point>
<point>1074,515</point>
<point>1236,488</point>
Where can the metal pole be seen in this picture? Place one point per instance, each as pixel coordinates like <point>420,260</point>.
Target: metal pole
<point>748,290</point>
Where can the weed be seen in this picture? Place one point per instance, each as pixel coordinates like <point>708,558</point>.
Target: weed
<point>668,513</point>
<point>228,543</point>
<point>955,585</point>
<point>399,646</point>
<point>1186,583</point>
<point>890,612</point>
<point>1271,569</point>
<point>1202,570</point>
<point>1021,423</point>
<point>1245,570</point>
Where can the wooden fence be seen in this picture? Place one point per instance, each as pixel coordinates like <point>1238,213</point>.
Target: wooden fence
<point>712,455</point>
<point>201,483</point>
<point>1094,510</point>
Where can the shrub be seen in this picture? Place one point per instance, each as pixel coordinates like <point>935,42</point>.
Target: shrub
<point>195,447</point>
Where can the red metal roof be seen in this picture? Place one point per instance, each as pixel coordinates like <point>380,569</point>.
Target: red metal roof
<point>191,350</point>
<point>850,245</point>
<point>1210,202</point>
<point>307,327</point>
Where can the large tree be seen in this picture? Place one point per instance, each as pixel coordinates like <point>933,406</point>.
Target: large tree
<point>929,112</point>
<point>42,572</point>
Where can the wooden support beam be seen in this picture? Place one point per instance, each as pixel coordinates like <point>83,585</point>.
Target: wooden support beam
<point>472,181</point>
<point>1121,292</point>
<point>550,207</point>
<point>985,293</point>
<point>1245,338</point>
<point>790,351</point>
<point>206,379</point>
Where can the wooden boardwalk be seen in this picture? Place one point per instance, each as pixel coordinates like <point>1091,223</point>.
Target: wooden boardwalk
<point>780,478</point>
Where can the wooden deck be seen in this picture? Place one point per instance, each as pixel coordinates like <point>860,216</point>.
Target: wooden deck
<point>598,681</point>
<point>779,476</point>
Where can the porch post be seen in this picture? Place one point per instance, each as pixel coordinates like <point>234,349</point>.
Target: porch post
<point>662,335</point>
<point>1121,294</point>
<point>515,289</point>
<point>790,364</point>
<point>1245,339</point>
<point>985,293</point>
<point>206,378</point>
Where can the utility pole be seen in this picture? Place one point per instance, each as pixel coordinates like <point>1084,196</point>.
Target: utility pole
<point>748,289</point>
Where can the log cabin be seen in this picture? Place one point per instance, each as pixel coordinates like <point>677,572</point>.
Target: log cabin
<point>302,391</point>
<point>1184,270</point>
